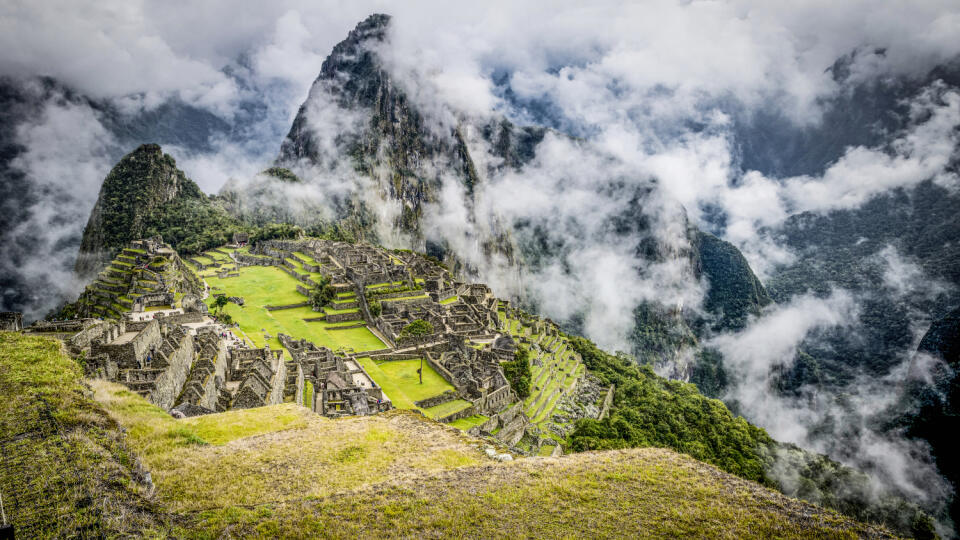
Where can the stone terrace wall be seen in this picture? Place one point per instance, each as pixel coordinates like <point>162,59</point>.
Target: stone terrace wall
<point>184,318</point>
<point>469,411</point>
<point>449,395</point>
<point>607,402</point>
<point>169,384</point>
<point>343,317</point>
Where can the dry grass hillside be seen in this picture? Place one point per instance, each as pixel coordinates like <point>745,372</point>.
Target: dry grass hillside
<point>282,471</point>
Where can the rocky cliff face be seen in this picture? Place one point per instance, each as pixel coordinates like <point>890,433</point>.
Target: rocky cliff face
<point>358,119</point>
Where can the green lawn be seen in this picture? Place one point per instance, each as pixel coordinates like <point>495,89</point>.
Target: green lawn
<point>446,409</point>
<point>450,300</point>
<point>266,285</point>
<point>470,421</point>
<point>414,297</point>
<point>400,382</point>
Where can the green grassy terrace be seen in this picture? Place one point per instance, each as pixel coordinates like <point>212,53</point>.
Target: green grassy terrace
<point>399,380</point>
<point>262,286</point>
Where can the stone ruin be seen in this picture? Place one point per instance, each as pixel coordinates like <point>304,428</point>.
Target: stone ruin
<point>185,370</point>
<point>340,385</point>
<point>11,321</point>
<point>475,373</point>
<point>190,371</point>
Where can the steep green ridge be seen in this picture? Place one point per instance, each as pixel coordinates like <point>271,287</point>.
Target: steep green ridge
<point>932,396</point>
<point>65,469</point>
<point>648,410</point>
<point>146,195</point>
<point>734,293</point>
<point>651,411</point>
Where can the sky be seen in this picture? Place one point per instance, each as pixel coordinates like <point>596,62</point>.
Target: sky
<point>651,91</point>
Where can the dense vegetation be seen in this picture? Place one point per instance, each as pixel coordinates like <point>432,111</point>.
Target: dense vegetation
<point>322,293</point>
<point>282,173</point>
<point>651,411</point>
<point>192,225</point>
<point>932,406</point>
<point>518,372</point>
<point>735,293</point>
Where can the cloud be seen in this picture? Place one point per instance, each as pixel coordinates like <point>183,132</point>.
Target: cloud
<point>843,424</point>
<point>66,156</point>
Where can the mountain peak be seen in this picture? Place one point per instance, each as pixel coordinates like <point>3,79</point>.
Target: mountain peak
<point>136,188</point>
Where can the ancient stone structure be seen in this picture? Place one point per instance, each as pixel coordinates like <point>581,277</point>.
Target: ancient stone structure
<point>11,321</point>
<point>183,364</point>
<point>475,373</point>
<point>340,385</point>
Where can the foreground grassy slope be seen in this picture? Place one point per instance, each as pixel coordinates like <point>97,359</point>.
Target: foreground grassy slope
<point>64,468</point>
<point>283,472</point>
<point>278,453</point>
<point>638,493</point>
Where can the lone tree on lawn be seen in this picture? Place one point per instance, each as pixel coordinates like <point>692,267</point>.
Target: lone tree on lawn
<point>418,329</point>
<point>219,303</point>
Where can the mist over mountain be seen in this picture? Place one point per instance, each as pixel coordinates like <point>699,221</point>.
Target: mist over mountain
<point>761,201</point>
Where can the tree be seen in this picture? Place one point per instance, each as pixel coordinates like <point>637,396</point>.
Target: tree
<point>517,371</point>
<point>375,309</point>
<point>219,303</point>
<point>322,294</point>
<point>418,329</point>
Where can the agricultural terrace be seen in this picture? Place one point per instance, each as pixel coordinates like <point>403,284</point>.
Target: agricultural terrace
<point>555,369</point>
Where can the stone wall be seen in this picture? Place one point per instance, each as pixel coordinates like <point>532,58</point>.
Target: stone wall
<point>130,355</point>
<point>183,318</point>
<point>343,317</point>
<point>494,400</point>
<point>607,402</point>
<point>449,395</point>
<point>298,396</point>
<point>447,376</point>
<point>211,392</point>
<point>170,382</point>
<point>82,339</point>
<point>377,297</point>
<point>254,260</point>
<point>11,321</point>
<point>469,411</point>
<point>278,384</point>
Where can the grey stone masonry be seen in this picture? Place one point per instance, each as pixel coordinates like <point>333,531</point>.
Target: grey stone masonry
<point>11,321</point>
